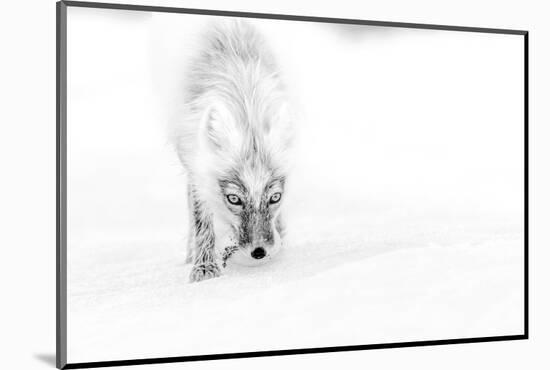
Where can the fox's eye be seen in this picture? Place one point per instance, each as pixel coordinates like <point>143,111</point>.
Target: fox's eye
<point>275,198</point>
<point>233,199</point>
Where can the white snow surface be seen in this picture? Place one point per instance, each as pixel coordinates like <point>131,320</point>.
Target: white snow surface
<point>317,293</point>
<point>405,207</point>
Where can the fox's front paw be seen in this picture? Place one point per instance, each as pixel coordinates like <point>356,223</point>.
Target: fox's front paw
<point>204,272</point>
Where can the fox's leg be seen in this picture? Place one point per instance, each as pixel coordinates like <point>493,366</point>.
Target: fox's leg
<point>204,260</point>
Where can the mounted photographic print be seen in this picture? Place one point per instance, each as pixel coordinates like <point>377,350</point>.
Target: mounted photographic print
<point>238,184</point>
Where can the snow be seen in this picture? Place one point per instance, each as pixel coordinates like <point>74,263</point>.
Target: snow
<point>405,207</point>
<point>315,294</point>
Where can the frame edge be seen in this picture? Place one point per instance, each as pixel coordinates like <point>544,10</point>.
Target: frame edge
<point>288,17</point>
<point>526,182</point>
<point>61,185</point>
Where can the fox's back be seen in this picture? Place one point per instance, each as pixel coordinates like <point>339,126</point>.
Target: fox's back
<point>235,70</point>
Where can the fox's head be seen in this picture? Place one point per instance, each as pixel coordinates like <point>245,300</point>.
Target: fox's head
<point>244,160</point>
<point>252,195</point>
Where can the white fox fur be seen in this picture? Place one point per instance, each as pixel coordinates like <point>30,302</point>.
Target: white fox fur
<point>233,139</point>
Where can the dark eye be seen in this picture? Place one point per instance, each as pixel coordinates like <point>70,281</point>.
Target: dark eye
<point>233,199</point>
<point>275,198</point>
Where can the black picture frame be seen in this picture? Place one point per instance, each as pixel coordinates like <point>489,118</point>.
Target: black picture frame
<point>61,184</point>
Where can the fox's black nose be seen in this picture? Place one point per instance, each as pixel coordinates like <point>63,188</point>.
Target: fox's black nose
<point>258,253</point>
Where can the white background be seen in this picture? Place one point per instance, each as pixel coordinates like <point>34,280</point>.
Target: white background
<point>29,151</point>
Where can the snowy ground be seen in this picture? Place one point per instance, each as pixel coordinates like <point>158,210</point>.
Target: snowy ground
<point>318,293</point>
<point>405,208</point>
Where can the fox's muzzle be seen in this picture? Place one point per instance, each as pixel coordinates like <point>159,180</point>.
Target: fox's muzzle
<point>256,232</point>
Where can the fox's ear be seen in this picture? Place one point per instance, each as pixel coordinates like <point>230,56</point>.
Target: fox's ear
<point>219,130</point>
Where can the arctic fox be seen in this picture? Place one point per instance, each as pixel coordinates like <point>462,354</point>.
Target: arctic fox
<point>233,140</point>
